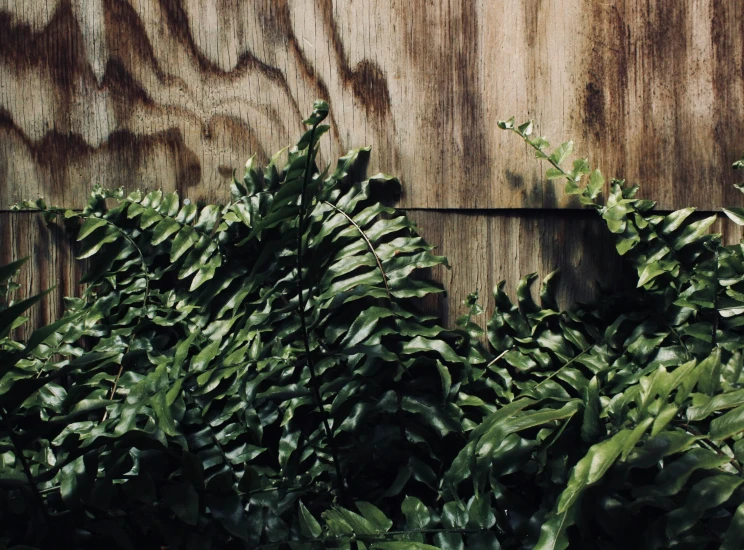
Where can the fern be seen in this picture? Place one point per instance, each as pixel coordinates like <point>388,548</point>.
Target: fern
<point>257,375</point>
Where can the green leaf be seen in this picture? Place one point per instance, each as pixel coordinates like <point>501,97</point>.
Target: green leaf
<point>591,428</point>
<point>89,226</point>
<point>588,471</point>
<point>9,315</point>
<point>554,173</point>
<point>98,239</point>
<point>208,218</point>
<point>735,214</point>
<point>450,541</point>
<point>520,360</point>
<point>309,526</point>
<point>149,217</point>
<point>674,221</point>
<point>204,357</point>
<point>497,431</point>
<point>524,297</point>
<point>206,272</point>
<point>596,184</point>
<point>363,325</point>
<point>374,516</point>
<point>169,206</point>
<point>183,499</point>
<point>423,345</point>
<point>359,524</point>
<point>483,541</point>
<point>164,229</point>
<point>9,270</point>
<point>480,514</point>
<point>561,152</point>
<point>650,272</point>
<point>735,532</point>
<point>417,515</point>
<point>704,495</point>
<point>163,414</point>
<point>506,124</point>
<point>526,128</point>
<point>580,168</point>
<point>454,515</point>
<point>692,232</point>
<point>716,403</point>
<point>431,413</point>
<point>727,425</point>
<point>186,238</point>
<point>675,474</point>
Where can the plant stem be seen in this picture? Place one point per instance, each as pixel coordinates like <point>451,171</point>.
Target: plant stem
<point>303,323</point>
<point>399,398</point>
<point>371,247</point>
<point>499,356</point>
<point>713,447</point>
<point>567,363</point>
<point>146,272</point>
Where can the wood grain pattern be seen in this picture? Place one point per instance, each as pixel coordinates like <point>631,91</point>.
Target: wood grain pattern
<point>482,248</point>
<point>176,93</point>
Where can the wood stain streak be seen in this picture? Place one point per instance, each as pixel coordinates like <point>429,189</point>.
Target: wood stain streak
<point>123,149</point>
<point>366,79</point>
<point>58,48</point>
<point>128,38</point>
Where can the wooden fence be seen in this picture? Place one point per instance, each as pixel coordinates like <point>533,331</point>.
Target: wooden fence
<point>174,94</point>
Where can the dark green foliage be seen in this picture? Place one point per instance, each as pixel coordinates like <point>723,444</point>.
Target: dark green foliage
<point>256,375</point>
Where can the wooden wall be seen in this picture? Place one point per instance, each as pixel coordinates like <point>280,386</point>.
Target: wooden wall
<point>174,94</point>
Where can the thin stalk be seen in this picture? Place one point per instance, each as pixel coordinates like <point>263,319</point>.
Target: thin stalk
<point>499,356</point>
<point>146,272</point>
<point>713,447</point>
<point>81,215</point>
<point>567,363</point>
<point>303,323</point>
<point>371,247</point>
<point>398,395</point>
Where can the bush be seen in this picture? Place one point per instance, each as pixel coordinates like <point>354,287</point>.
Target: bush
<point>257,375</point>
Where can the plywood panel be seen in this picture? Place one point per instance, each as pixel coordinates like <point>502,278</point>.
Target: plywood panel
<point>176,93</point>
<point>484,248</point>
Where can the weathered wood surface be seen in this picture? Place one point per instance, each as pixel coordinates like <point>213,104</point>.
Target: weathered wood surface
<point>51,263</point>
<point>482,248</point>
<point>176,93</point>
<point>486,248</point>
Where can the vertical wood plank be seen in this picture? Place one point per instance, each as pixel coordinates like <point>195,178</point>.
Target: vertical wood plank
<point>51,263</point>
<point>486,248</point>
